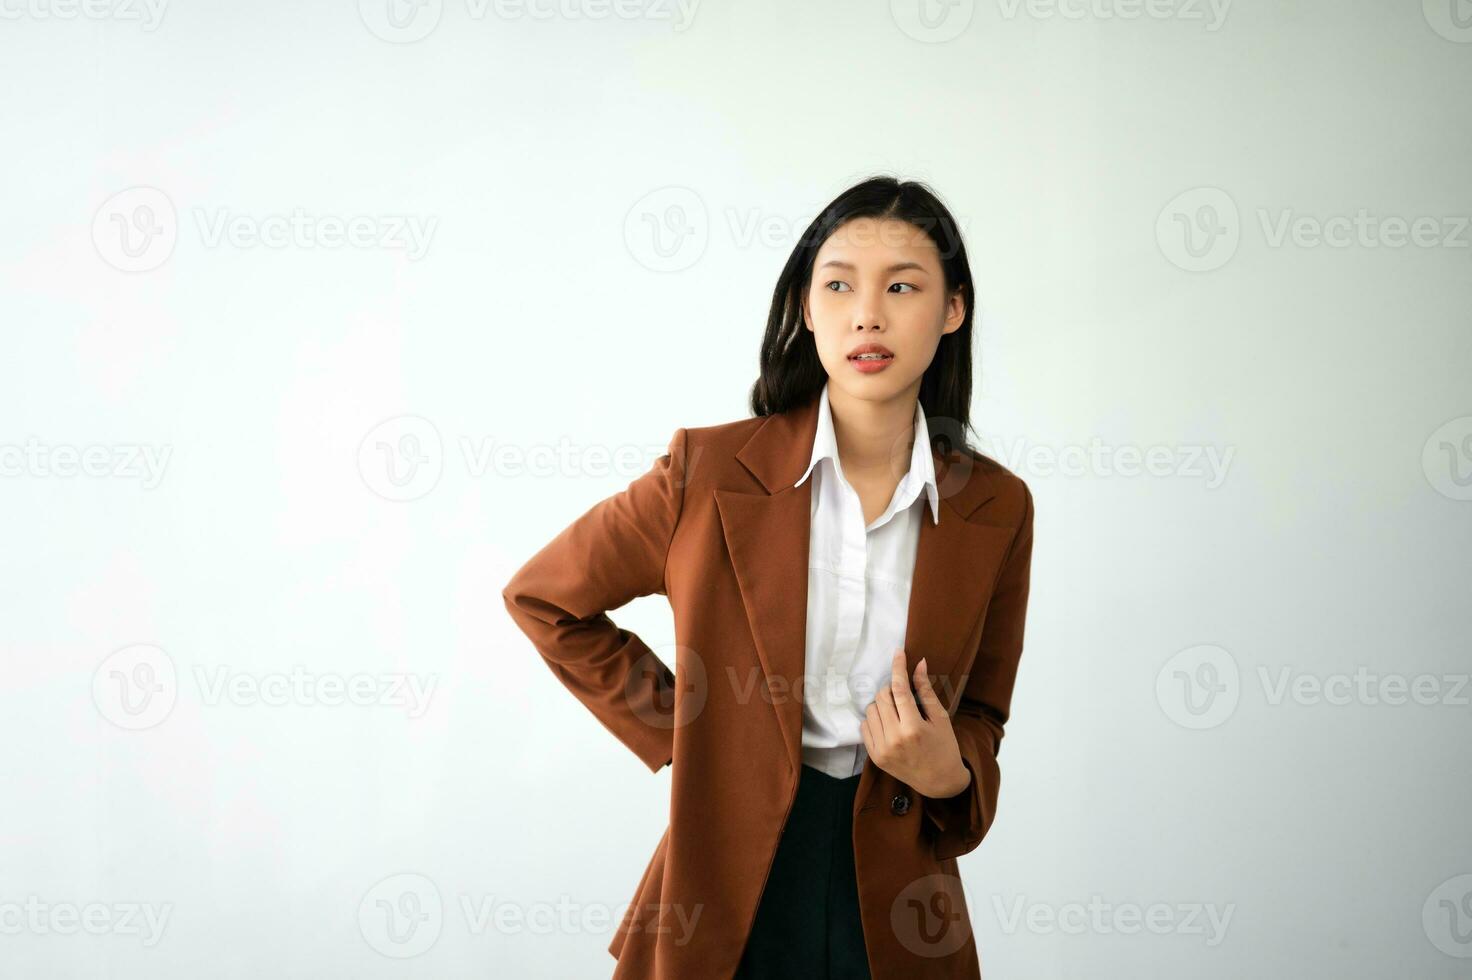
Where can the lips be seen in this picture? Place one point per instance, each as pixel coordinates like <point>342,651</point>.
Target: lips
<point>871,358</point>
<point>878,352</point>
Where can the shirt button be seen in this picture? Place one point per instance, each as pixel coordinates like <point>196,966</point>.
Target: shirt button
<point>900,805</point>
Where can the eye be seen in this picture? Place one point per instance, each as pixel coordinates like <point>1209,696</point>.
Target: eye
<point>835,282</point>
<point>912,286</point>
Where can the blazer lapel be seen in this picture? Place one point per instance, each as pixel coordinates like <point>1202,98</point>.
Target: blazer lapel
<point>956,563</point>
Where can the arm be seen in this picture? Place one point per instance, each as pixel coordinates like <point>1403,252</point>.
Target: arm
<point>961,821</point>
<point>608,556</point>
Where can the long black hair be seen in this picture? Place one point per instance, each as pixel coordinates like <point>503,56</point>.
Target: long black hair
<point>792,374</point>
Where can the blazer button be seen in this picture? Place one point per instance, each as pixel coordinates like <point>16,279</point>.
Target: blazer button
<point>900,805</point>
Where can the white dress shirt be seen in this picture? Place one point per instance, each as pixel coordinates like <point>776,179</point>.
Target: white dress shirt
<point>858,594</point>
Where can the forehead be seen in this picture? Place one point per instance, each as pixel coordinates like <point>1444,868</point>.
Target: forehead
<point>868,240</point>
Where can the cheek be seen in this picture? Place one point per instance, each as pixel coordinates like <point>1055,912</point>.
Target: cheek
<point>827,320</point>
<point>922,329</point>
<point>822,302</point>
<point>924,339</point>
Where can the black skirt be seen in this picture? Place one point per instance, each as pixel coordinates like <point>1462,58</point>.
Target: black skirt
<point>807,925</point>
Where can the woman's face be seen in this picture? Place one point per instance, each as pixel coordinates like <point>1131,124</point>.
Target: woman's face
<point>879,282</point>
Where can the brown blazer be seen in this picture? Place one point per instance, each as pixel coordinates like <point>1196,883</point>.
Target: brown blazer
<point>717,526</point>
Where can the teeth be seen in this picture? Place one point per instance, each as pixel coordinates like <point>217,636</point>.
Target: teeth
<point>870,357</point>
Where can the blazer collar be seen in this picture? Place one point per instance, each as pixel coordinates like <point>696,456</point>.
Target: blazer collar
<point>922,461</point>
<point>782,447</point>
<point>767,537</point>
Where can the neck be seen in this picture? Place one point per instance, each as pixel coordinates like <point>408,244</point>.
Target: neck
<point>874,436</point>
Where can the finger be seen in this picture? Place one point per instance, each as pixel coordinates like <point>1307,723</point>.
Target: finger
<point>929,700</point>
<point>875,726</point>
<point>905,708</point>
<point>884,704</point>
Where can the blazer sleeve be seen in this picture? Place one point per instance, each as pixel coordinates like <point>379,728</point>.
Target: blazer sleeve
<point>602,560</point>
<point>961,821</point>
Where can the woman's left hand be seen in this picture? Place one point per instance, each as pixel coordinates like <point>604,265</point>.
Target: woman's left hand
<point>920,751</point>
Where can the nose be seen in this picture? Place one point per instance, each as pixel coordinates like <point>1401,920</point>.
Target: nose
<point>867,310</point>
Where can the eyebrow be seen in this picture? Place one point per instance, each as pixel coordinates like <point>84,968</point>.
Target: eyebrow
<point>897,267</point>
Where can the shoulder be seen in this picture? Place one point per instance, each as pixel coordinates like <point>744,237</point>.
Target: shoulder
<point>724,438</point>
<point>710,450</point>
<point>1008,497</point>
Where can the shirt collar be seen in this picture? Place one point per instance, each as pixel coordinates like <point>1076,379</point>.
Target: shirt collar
<point>922,465</point>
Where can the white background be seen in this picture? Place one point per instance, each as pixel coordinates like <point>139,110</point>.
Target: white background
<point>607,196</point>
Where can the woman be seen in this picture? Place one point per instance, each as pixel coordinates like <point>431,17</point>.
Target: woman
<point>820,558</point>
